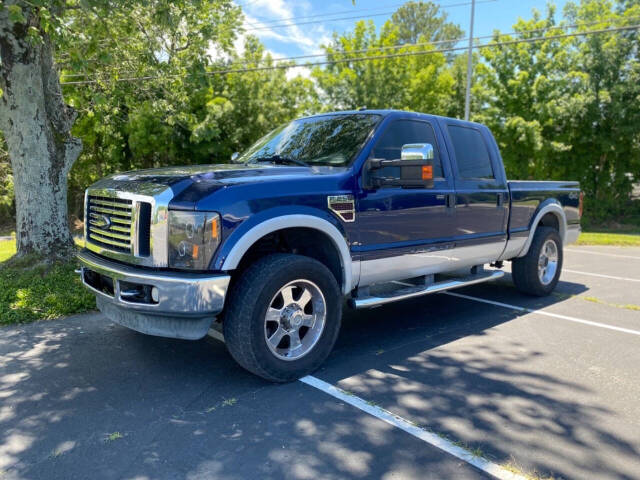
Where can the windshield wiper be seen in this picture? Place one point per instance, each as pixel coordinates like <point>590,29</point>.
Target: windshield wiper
<point>279,160</point>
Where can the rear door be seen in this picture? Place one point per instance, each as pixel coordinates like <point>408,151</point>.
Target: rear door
<point>482,195</point>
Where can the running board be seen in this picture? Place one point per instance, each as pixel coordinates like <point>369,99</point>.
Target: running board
<point>419,290</point>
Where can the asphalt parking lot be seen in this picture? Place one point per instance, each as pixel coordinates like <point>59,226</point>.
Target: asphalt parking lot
<point>548,385</point>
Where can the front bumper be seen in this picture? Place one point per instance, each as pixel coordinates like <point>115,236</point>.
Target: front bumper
<point>183,305</point>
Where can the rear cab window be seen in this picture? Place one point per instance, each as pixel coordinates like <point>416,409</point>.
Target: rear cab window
<point>472,155</point>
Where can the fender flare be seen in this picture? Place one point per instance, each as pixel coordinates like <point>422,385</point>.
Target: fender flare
<point>550,206</point>
<point>271,225</point>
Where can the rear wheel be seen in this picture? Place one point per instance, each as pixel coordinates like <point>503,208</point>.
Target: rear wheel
<point>283,317</point>
<point>538,272</point>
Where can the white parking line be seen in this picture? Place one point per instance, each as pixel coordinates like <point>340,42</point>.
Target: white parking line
<point>601,253</point>
<point>611,277</point>
<point>542,312</point>
<point>447,446</point>
<point>442,443</point>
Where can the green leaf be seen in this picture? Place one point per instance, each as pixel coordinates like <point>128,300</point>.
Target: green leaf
<point>15,14</point>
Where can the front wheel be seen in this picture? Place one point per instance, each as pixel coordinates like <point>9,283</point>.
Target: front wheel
<point>283,317</point>
<point>538,272</point>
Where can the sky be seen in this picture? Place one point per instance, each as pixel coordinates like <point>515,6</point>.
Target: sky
<point>265,17</point>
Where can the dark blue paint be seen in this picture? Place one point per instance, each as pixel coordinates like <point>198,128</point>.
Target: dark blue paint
<point>389,221</point>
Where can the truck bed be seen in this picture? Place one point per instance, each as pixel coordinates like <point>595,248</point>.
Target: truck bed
<point>528,195</point>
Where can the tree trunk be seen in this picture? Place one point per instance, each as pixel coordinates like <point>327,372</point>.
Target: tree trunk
<point>37,128</point>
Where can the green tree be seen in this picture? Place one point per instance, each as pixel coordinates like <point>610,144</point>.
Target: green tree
<point>410,82</point>
<point>198,117</point>
<point>425,22</point>
<point>173,37</point>
<point>566,108</point>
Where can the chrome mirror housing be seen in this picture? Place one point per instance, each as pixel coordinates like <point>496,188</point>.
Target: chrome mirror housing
<point>417,151</point>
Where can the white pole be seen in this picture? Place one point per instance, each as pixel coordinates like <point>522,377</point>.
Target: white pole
<point>467,97</point>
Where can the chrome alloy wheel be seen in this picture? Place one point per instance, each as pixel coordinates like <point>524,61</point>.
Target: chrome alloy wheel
<point>295,320</point>
<point>548,262</point>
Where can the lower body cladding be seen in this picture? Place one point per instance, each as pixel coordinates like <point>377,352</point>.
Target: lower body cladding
<point>166,304</point>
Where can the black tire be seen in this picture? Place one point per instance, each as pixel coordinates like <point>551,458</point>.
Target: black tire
<point>248,301</point>
<point>525,269</point>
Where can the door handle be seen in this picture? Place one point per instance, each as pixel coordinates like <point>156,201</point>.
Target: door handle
<point>500,200</point>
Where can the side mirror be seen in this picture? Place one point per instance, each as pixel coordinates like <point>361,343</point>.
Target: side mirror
<point>415,168</point>
<point>234,156</point>
<point>417,151</point>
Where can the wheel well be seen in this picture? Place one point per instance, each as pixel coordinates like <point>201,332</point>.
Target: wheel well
<point>550,220</point>
<point>301,241</point>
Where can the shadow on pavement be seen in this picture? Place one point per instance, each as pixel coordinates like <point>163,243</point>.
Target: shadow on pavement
<point>84,398</point>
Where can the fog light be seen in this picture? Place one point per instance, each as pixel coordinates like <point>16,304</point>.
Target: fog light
<point>155,295</point>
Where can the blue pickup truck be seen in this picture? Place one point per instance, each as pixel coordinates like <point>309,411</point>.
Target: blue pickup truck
<point>365,206</point>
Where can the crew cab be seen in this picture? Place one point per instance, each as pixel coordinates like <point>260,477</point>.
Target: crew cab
<point>366,206</point>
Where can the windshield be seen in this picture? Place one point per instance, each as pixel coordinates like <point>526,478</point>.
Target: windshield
<point>332,140</point>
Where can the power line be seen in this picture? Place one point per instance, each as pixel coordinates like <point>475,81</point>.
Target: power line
<point>406,45</point>
<point>328,14</point>
<point>378,57</point>
<point>359,17</point>
<point>267,22</point>
<point>262,28</point>
<point>429,52</point>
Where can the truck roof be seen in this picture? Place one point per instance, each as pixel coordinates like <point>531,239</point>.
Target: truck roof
<point>389,112</point>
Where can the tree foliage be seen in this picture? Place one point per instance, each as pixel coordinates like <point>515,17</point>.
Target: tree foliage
<point>567,108</point>
<point>148,96</point>
<point>425,22</point>
<point>389,78</point>
<point>145,79</point>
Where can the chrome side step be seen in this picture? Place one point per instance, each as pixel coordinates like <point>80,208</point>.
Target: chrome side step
<point>419,290</point>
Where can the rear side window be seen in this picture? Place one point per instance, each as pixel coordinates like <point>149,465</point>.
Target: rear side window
<point>472,155</point>
<point>403,132</point>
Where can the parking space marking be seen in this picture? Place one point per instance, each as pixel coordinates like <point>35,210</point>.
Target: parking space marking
<point>443,444</point>
<point>601,253</point>
<point>542,312</point>
<point>611,277</point>
<point>406,284</point>
<point>395,420</point>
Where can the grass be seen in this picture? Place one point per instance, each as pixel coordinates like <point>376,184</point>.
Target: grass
<point>33,290</point>
<point>631,239</point>
<point>112,437</point>
<point>626,306</point>
<point>7,249</point>
<point>229,402</point>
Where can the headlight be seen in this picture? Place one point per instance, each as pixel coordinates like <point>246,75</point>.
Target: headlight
<point>193,239</point>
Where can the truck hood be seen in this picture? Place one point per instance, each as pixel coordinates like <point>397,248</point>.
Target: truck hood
<point>187,185</point>
<point>218,175</point>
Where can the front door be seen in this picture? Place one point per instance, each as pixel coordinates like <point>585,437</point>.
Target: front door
<point>405,229</point>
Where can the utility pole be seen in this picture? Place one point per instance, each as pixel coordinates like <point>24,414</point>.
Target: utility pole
<point>467,97</point>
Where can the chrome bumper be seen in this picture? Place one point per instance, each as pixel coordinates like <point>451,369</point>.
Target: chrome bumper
<point>184,304</point>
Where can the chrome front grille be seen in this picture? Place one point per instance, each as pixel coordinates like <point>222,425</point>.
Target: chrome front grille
<point>110,223</point>
<point>128,220</point>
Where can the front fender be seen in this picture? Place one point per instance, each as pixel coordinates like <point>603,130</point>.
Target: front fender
<point>257,226</point>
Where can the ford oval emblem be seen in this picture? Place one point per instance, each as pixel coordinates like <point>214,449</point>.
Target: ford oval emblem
<point>102,221</point>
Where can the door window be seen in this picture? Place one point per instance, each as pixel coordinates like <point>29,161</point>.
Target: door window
<point>472,155</point>
<point>403,132</point>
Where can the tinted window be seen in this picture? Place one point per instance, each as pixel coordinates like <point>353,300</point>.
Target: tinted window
<point>403,132</point>
<point>472,155</point>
